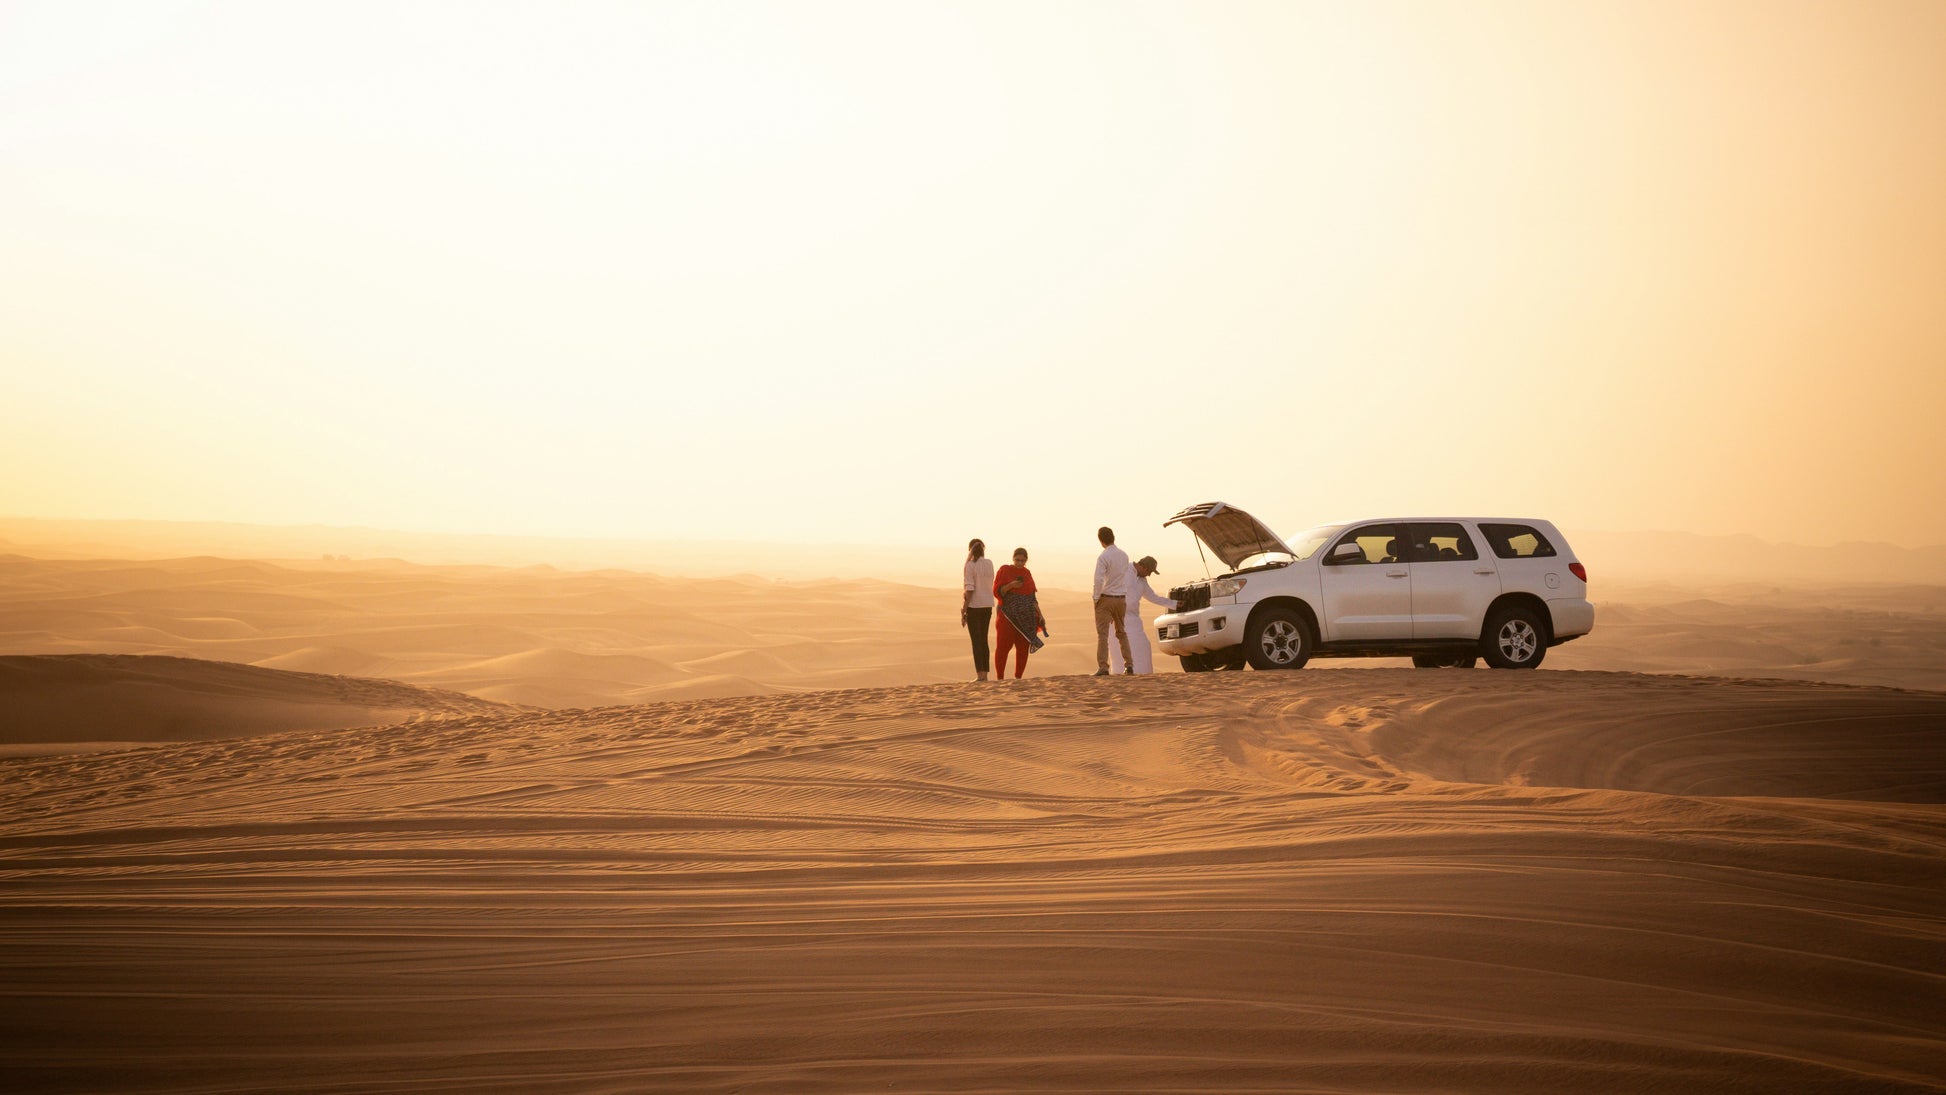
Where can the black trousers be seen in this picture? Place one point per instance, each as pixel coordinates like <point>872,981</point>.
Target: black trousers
<point>978,621</point>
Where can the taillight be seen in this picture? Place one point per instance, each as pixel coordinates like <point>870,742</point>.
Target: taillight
<point>1578,571</point>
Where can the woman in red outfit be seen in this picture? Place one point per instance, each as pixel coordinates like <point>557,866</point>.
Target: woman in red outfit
<point>1019,609</point>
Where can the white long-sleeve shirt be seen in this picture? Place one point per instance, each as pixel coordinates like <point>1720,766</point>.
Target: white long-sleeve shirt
<point>1140,587</point>
<point>1112,573</point>
<point>977,579</point>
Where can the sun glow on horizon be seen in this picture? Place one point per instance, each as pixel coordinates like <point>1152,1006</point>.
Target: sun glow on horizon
<point>893,272</point>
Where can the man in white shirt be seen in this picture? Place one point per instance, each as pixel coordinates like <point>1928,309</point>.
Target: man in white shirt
<point>1112,576</point>
<point>1138,636</point>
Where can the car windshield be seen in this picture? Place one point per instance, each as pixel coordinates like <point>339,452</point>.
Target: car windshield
<point>1306,544</point>
<point>1263,560</point>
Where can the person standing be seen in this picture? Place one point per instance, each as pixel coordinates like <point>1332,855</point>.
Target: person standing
<point>1111,600</point>
<point>976,600</point>
<point>1138,636</point>
<point>1020,615</point>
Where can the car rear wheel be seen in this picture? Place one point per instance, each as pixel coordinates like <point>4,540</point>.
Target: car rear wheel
<point>1515,639</point>
<point>1278,639</point>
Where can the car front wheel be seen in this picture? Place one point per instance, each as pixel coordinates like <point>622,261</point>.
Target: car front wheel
<point>1445,661</point>
<point>1278,639</point>
<point>1194,663</point>
<point>1515,639</point>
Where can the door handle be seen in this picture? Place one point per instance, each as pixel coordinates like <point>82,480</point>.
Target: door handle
<point>1488,570</point>
<point>1395,574</point>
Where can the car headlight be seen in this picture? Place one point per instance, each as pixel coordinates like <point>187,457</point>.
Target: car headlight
<point>1226,587</point>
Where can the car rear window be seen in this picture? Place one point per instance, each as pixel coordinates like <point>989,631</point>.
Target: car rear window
<point>1516,541</point>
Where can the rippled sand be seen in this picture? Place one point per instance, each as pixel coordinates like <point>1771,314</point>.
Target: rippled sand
<point>1335,880</point>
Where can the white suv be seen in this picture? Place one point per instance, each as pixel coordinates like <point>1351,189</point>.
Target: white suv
<point>1444,591</point>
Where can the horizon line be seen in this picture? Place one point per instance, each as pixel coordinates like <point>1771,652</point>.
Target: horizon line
<point>644,538</point>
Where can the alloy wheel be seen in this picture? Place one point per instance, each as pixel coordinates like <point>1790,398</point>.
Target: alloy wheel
<point>1282,642</point>
<point>1518,640</point>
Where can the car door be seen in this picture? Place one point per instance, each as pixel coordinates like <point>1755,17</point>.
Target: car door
<point>1367,593</point>
<point>1525,555</point>
<point>1451,584</point>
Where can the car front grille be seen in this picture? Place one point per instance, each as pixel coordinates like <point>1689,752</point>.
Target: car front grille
<point>1190,598</point>
<point>1190,629</point>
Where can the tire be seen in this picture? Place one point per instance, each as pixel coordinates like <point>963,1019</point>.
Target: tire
<point>1445,661</point>
<point>1230,657</point>
<point>1194,663</point>
<point>1278,638</point>
<point>1515,638</point>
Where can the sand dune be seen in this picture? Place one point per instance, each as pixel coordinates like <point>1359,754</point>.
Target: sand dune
<point>708,686</point>
<point>566,639</point>
<point>1333,880</point>
<point>534,635</point>
<point>750,662</point>
<point>623,669</point>
<point>122,698</point>
<point>1884,635</point>
<point>342,660</point>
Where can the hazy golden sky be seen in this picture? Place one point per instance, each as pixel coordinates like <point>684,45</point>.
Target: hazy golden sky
<point>913,272</point>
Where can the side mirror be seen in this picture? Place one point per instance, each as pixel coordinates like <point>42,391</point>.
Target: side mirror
<point>1348,553</point>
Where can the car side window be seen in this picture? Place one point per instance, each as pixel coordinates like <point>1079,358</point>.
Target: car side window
<point>1376,544</point>
<point>1516,541</point>
<point>1441,542</point>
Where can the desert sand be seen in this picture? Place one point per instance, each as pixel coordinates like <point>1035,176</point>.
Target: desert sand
<point>1334,880</point>
<point>95,701</point>
<point>530,635</point>
<point>551,638</point>
<point>468,828</point>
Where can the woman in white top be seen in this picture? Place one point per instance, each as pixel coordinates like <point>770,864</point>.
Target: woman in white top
<point>976,602</point>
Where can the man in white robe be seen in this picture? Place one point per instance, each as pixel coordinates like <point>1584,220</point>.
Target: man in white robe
<point>1138,636</point>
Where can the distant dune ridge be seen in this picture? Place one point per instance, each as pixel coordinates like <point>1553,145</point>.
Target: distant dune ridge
<point>1639,555</point>
<point>536,635</point>
<point>123,698</point>
<point>551,638</point>
<point>1335,880</point>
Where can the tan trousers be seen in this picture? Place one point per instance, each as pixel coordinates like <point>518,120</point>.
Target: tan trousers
<point>1111,612</point>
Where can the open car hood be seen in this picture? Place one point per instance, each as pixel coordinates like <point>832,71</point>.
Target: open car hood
<point>1231,534</point>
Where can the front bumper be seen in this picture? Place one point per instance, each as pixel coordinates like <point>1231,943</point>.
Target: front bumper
<point>1217,627</point>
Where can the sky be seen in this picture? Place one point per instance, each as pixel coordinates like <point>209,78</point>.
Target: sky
<point>912,272</point>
